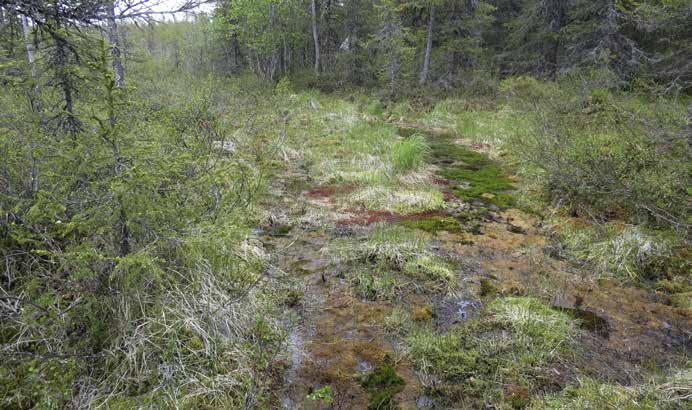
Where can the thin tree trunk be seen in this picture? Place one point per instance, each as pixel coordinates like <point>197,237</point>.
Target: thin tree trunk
<point>30,52</point>
<point>114,39</point>
<point>315,36</point>
<point>35,102</point>
<point>274,59</point>
<point>391,34</point>
<point>65,81</point>
<point>428,47</point>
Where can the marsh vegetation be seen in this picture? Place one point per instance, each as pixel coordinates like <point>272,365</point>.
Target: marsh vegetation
<point>335,205</point>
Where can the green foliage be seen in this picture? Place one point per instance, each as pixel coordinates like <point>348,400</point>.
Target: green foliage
<point>410,154</point>
<point>392,244</point>
<point>398,323</point>
<point>631,254</point>
<point>407,200</point>
<point>263,27</point>
<point>126,212</point>
<point>136,224</point>
<point>398,253</point>
<point>375,284</point>
<point>323,394</point>
<point>540,332</point>
<point>602,152</point>
<point>36,383</point>
<point>374,107</point>
<point>283,86</point>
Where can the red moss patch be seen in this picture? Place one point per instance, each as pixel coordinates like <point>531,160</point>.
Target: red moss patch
<point>449,196</point>
<point>370,217</point>
<point>441,181</point>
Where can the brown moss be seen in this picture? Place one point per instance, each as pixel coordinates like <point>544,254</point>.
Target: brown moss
<point>517,396</point>
<point>422,313</point>
<point>329,190</point>
<point>369,217</point>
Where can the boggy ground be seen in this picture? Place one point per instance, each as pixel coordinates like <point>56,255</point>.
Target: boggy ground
<point>386,291</point>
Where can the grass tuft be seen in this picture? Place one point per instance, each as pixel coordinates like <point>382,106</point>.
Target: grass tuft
<point>587,393</point>
<point>514,344</point>
<point>410,154</point>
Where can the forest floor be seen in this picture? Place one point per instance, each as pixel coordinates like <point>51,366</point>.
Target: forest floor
<point>370,279</point>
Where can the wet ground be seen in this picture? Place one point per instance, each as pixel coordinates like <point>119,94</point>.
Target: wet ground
<point>337,338</point>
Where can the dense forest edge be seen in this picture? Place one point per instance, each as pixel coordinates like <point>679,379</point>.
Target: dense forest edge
<point>345,204</point>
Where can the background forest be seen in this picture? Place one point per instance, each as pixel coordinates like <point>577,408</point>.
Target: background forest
<point>137,156</point>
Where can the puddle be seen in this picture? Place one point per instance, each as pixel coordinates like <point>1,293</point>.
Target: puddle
<point>453,311</point>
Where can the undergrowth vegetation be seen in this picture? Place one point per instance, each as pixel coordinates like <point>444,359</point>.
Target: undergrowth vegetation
<point>514,346</point>
<point>616,159</point>
<point>587,393</point>
<point>399,255</point>
<point>189,220</point>
<point>131,258</point>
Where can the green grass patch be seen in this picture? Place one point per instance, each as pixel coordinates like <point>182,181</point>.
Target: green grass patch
<point>385,263</point>
<point>514,344</point>
<point>410,154</point>
<point>374,284</point>
<point>588,393</point>
<point>404,200</point>
<point>430,267</point>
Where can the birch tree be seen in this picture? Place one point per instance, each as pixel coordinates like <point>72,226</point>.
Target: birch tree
<point>315,36</point>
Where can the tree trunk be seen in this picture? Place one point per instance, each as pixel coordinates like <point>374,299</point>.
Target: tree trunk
<point>559,15</point>
<point>35,102</point>
<point>30,52</point>
<point>391,41</point>
<point>428,47</point>
<point>114,39</point>
<point>315,36</point>
<point>65,81</point>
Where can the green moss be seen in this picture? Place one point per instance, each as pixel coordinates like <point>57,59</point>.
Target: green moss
<point>383,384</point>
<point>435,224</point>
<point>38,383</point>
<point>477,177</point>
